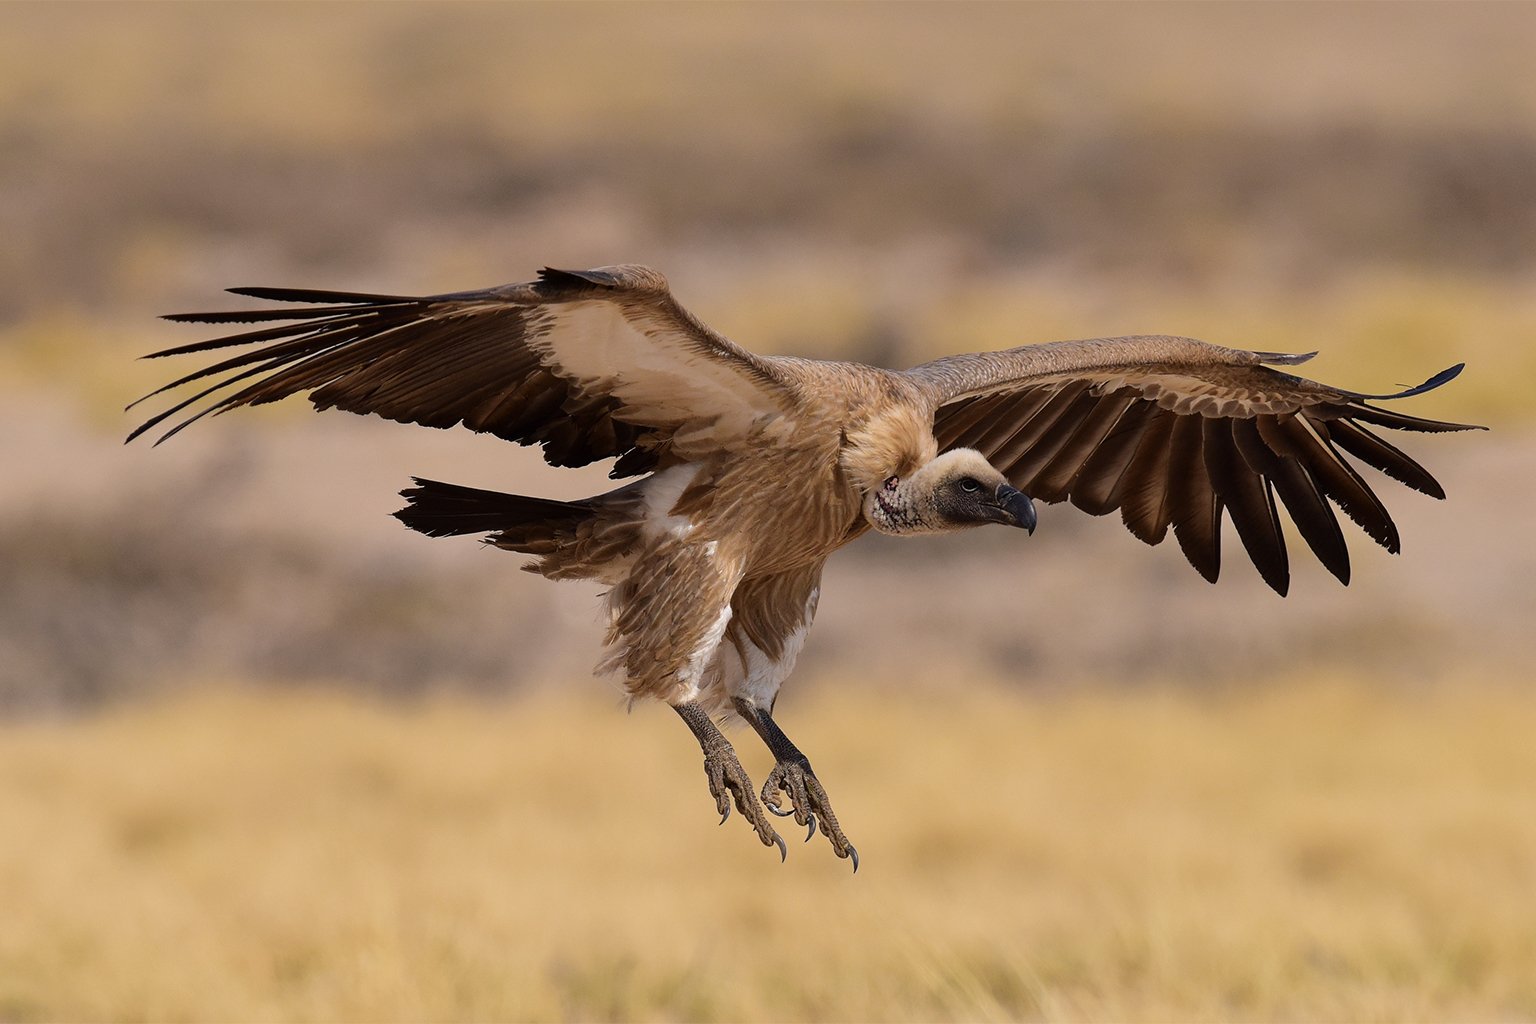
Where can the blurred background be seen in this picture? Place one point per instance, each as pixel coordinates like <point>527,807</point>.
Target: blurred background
<point>254,733</point>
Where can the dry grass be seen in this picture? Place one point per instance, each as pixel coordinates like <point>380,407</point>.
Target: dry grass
<point>1313,851</point>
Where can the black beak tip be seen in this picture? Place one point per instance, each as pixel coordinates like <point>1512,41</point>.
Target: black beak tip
<point>1028,518</point>
<point>1019,506</point>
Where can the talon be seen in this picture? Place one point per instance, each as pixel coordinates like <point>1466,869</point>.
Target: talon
<point>794,780</point>
<point>770,795</point>
<point>728,780</point>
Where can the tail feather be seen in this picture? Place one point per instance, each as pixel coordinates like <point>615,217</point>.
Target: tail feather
<point>516,521</point>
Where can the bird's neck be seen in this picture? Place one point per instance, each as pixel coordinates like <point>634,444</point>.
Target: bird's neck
<point>895,442</point>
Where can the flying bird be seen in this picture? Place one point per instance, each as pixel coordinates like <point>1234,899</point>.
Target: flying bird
<point>749,471</point>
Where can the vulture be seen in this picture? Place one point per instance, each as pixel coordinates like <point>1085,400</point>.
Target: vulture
<point>745,472</point>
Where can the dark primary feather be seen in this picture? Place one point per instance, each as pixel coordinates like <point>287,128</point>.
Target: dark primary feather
<point>1248,498</point>
<point>318,295</point>
<point>1097,486</point>
<point>1053,468</point>
<point>1145,509</point>
<point>1193,503</point>
<point>1296,437</point>
<point>1056,419</point>
<point>1373,451</point>
<point>1305,503</point>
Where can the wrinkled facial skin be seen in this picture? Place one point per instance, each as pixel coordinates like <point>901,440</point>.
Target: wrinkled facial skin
<point>957,491</point>
<point>966,500</point>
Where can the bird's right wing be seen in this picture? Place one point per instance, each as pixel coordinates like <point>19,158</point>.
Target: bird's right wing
<point>1173,432</point>
<point>590,364</point>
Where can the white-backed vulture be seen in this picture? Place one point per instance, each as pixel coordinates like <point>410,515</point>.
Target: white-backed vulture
<point>711,587</point>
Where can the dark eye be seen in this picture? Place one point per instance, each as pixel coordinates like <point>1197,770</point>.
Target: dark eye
<point>969,485</point>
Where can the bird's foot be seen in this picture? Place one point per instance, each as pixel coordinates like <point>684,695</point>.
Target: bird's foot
<point>808,804</point>
<point>729,780</point>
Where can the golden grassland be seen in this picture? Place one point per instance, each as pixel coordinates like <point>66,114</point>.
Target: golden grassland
<point>1306,850</point>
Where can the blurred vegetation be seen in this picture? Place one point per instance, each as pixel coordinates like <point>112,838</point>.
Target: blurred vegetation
<point>888,182</point>
<point>1303,851</point>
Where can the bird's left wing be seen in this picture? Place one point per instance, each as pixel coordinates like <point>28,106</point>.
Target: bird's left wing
<point>590,364</point>
<point>1172,432</point>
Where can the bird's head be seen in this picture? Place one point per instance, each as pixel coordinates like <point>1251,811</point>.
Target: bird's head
<point>955,491</point>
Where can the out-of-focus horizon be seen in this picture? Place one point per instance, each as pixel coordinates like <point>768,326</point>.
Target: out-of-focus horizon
<point>887,184</point>
<point>1132,794</point>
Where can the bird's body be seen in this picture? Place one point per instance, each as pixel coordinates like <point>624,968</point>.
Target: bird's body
<point>712,588</point>
<point>753,470</point>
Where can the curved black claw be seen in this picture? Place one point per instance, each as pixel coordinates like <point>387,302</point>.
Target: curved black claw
<point>728,781</point>
<point>773,809</point>
<point>808,803</point>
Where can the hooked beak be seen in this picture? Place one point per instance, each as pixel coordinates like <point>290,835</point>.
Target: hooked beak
<point>1017,505</point>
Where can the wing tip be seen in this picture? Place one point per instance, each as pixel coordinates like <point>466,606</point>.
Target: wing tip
<point>622,276</point>
<point>1440,379</point>
<point>1284,358</point>
<point>1401,421</point>
<point>320,296</point>
<point>1445,376</point>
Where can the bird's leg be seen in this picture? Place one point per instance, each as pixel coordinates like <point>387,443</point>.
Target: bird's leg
<point>727,778</point>
<point>792,774</point>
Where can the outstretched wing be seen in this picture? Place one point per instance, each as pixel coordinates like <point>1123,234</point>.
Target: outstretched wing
<point>590,364</point>
<point>1173,432</point>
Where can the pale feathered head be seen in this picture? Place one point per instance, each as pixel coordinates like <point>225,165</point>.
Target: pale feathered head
<point>958,490</point>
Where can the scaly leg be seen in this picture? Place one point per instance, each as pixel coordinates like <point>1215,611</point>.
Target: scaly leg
<point>727,778</point>
<point>792,774</point>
